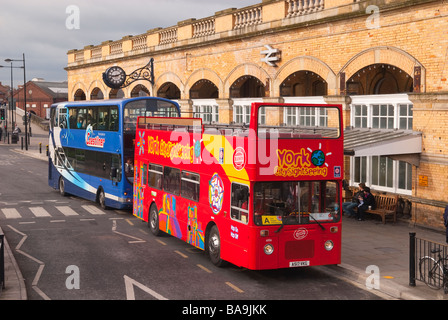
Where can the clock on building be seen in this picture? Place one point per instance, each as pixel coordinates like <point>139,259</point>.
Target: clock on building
<point>114,77</point>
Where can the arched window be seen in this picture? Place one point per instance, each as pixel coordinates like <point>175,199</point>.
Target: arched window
<point>168,90</point>
<point>302,84</point>
<point>247,87</point>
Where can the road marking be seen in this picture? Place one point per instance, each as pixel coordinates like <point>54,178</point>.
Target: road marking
<point>93,210</point>
<point>67,211</point>
<point>130,294</point>
<point>11,213</point>
<point>181,254</point>
<point>41,264</point>
<point>57,221</point>
<point>161,242</point>
<point>114,230</point>
<point>234,287</point>
<point>204,268</point>
<point>40,212</point>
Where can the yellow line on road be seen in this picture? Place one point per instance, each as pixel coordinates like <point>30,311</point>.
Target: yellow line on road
<point>204,268</point>
<point>181,254</point>
<point>234,287</point>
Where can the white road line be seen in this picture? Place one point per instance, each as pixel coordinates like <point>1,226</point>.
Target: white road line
<point>130,294</point>
<point>11,213</point>
<point>40,212</point>
<point>67,211</point>
<point>93,210</point>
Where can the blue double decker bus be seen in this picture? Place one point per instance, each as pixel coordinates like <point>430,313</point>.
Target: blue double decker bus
<point>91,146</point>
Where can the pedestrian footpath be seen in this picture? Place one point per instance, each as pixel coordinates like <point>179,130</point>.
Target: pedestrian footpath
<point>371,245</point>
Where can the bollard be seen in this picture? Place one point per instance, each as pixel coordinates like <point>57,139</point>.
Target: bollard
<point>48,152</point>
<point>2,261</point>
<point>412,259</point>
<point>40,147</point>
<point>21,143</point>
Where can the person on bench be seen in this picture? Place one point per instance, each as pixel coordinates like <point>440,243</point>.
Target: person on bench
<point>349,207</point>
<point>366,202</point>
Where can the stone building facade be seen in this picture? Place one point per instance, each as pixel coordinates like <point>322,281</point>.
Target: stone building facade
<point>385,61</point>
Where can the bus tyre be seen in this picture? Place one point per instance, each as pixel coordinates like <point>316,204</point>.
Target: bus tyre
<point>214,247</point>
<point>62,187</point>
<point>153,221</point>
<point>102,199</point>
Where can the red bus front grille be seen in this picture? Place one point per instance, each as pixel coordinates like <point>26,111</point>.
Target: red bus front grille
<point>303,249</point>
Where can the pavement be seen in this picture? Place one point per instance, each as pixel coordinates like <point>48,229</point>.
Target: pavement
<point>364,244</point>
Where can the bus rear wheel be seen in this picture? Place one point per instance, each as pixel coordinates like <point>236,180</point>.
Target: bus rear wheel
<point>153,220</point>
<point>214,247</point>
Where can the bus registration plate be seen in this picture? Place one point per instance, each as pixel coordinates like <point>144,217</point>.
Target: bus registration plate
<point>293,264</point>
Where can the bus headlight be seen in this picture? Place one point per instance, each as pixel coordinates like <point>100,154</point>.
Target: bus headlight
<point>329,245</point>
<point>268,249</point>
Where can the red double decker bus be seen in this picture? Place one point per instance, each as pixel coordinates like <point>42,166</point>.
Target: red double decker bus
<point>262,196</point>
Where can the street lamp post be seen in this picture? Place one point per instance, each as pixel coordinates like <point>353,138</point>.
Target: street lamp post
<point>24,94</point>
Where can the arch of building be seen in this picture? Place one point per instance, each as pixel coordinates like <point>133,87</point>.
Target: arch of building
<point>247,69</point>
<point>167,77</point>
<point>94,88</point>
<point>388,55</point>
<point>203,74</point>
<point>78,91</point>
<point>305,63</point>
<point>137,87</point>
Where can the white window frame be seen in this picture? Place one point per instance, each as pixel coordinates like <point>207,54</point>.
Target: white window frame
<point>369,178</point>
<point>242,109</point>
<point>370,101</point>
<point>206,109</point>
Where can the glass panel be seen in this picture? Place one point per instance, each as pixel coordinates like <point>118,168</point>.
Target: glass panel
<point>296,202</point>
<point>306,128</point>
<point>375,170</point>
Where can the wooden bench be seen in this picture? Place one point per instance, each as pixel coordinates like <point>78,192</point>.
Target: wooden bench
<point>386,205</point>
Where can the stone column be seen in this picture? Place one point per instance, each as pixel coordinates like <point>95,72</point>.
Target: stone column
<point>186,108</point>
<point>225,109</point>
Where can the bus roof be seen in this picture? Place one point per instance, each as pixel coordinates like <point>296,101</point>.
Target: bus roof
<point>110,101</point>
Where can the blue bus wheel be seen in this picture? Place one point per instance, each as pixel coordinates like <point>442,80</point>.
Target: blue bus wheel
<point>62,187</point>
<point>102,199</point>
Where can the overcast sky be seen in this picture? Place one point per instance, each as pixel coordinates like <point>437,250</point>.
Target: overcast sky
<point>39,28</point>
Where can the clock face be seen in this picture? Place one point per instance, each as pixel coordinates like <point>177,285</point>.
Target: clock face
<point>114,77</point>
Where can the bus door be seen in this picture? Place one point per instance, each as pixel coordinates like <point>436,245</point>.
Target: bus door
<point>238,223</point>
<point>140,182</point>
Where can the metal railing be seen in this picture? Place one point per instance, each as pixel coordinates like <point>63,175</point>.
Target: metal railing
<point>2,262</point>
<point>428,262</point>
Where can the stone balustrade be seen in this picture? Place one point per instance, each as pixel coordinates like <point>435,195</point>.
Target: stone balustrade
<point>227,23</point>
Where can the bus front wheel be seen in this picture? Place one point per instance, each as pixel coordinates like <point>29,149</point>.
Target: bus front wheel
<point>153,221</point>
<point>102,199</point>
<point>214,247</point>
<point>62,187</point>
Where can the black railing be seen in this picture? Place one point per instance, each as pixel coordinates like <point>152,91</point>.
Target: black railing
<point>428,262</point>
<point>2,262</point>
